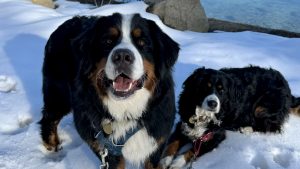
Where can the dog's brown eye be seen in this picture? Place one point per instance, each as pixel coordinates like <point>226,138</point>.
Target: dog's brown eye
<point>140,42</point>
<point>220,87</point>
<point>209,84</point>
<point>109,41</point>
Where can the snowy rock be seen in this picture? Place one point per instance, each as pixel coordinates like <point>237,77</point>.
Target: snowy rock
<point>7,84</point>
<point>182,15</point>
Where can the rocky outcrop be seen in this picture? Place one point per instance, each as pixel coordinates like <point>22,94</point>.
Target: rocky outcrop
<point>227,26</point>
<point>187,15</point>
<point>182,15</point>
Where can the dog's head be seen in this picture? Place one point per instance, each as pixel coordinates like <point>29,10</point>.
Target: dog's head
<point>206,89</point>
<point>125,55</point>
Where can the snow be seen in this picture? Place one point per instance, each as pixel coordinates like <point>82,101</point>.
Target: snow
<point>6,84</point>
<point>24,30</point>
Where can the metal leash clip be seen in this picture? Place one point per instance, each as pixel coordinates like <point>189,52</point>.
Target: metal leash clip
<point>103,154</point>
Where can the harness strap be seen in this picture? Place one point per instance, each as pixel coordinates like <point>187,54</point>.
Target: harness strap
<point>198,143</point>
<point>197,146</point>
<point>115,148</point>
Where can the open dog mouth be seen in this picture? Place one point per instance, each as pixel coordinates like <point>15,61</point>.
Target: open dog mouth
<point>122,86</point>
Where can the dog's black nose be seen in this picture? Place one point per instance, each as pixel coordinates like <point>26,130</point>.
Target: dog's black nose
<point>212,104</point>
<point>122,57</point>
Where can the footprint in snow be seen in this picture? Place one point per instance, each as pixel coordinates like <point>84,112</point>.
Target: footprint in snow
<point>7,84</point>
<point>259,162</point>
<point>23,123</point>
<point>282,157</point>
<point>2,166</point>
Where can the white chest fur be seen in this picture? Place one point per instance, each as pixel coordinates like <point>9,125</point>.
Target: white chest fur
<point>139,146</point>
<point>129,108</point>
<point>192,133</point>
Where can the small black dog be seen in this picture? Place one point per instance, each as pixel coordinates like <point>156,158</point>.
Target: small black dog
<point>212,101</point>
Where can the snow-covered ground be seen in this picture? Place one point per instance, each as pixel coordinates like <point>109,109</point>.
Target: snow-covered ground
<point>24,30</point>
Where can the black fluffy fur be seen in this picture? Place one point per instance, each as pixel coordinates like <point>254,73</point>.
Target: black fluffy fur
<point>71,55</point>
<point>243,90</point>
<point>240,91</point>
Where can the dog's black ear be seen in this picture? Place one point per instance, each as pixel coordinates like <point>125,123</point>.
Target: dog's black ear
<point>87,43</point>
<point>92,29</point>
<point>166,48</point>
<point>195,78</point>
<point>86,46</point>
<point>82,44</point>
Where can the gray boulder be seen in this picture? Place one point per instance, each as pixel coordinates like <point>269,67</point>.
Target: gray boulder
<point>181,14</point>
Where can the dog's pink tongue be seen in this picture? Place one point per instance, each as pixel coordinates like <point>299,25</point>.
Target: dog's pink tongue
<point>122,83</point>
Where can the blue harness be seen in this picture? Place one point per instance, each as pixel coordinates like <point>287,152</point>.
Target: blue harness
<point>115,148</point>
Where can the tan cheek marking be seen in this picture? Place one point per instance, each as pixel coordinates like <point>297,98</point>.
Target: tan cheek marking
<point>96,81</point>
<point>151,80</point>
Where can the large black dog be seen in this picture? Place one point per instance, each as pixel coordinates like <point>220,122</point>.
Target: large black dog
<point>212,101</point>
<point>115,73</point>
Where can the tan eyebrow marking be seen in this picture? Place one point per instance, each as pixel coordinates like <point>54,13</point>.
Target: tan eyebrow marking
<point>113,31</point>
<point>137,32</point>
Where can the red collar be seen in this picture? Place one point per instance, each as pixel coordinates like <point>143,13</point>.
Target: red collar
<point>198,143</point>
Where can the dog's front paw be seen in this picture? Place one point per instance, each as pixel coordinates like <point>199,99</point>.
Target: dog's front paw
<point>178,163</point>
<point>53,147</point>
<point>166,161</point>
<point>246,130</point>
<point>52,143</point>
